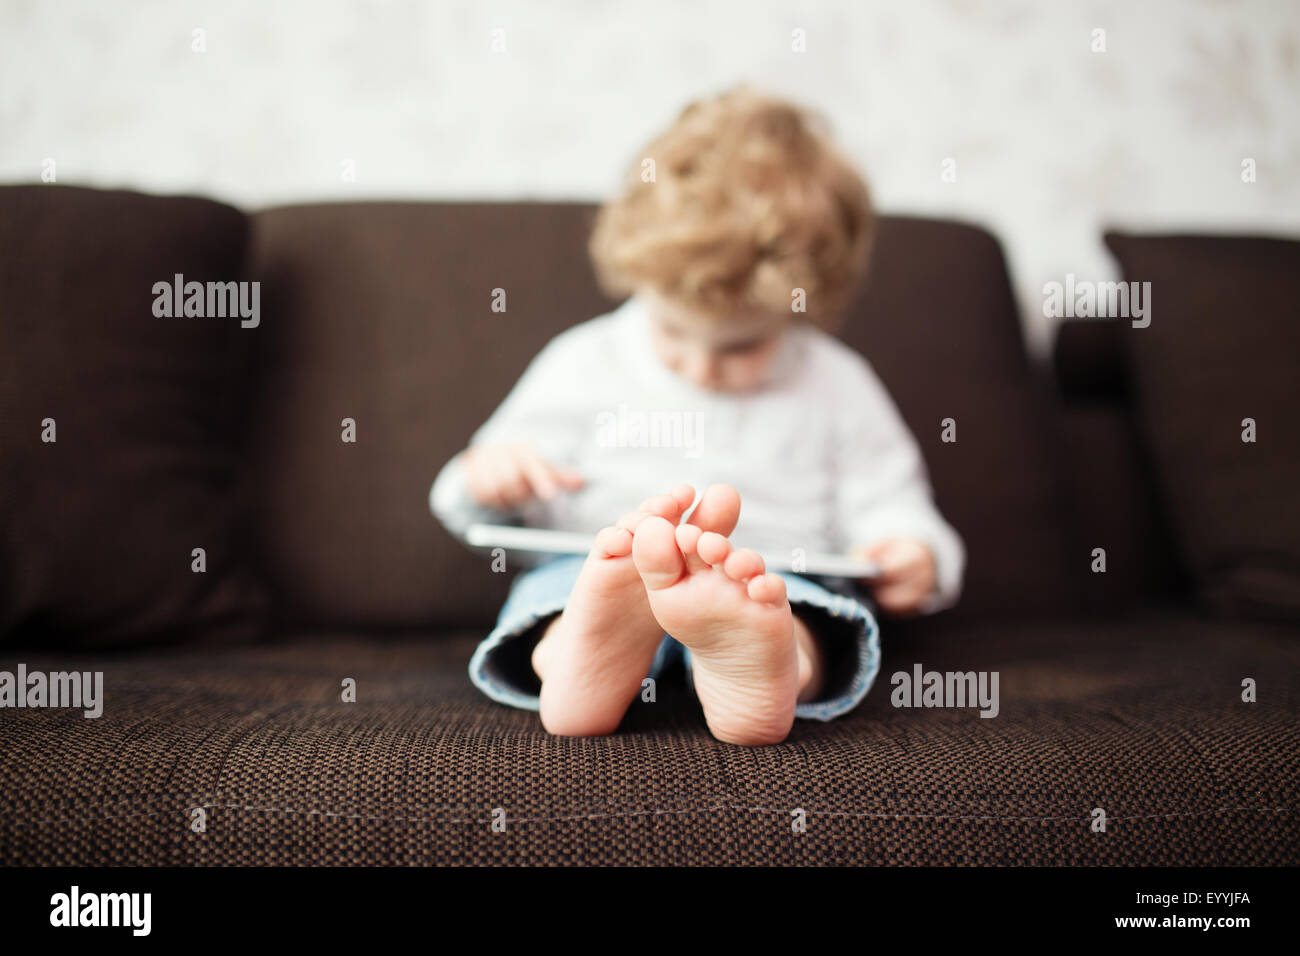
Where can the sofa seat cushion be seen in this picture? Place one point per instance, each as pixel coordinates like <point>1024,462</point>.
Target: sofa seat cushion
<point>1143,719</point>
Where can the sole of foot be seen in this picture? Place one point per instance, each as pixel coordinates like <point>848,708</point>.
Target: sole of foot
<point>735,619</point>
<point>596,653</point>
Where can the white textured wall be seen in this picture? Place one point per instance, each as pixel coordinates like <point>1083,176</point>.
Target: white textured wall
<point>1050,139</point>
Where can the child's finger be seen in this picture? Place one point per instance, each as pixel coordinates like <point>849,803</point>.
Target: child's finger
<point>885,557</point>
<point>897,598</point>
<point>485,484</point>
<point>900,592</point>
<point>514,490</point>
<point>539,474</point>
<point>492,498</point>
<point>569,477</point>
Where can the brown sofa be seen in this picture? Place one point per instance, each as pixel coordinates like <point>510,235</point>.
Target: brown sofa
<point>223,680</point>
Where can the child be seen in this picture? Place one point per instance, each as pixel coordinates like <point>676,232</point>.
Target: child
<point>742,232</point>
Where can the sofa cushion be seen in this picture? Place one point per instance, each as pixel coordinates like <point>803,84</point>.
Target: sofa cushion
<point>1115,501</point>
<point>1223,346</point>
<point>938,322</point>
<point>98,526</point>
<point>1088,362</point>
<point>288,773</point>
<point>1116,508</point>
<point>381,312</point>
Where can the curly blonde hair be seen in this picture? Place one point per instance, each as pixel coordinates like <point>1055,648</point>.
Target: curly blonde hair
<point>749,201</point>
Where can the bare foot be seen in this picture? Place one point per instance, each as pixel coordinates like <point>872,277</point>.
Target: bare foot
<point>594,656</point>
<point>736,621</point>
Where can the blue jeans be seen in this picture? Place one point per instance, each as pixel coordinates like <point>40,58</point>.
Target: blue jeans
<point>840,619</point>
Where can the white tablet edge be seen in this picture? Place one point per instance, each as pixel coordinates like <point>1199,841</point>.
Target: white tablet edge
<point>571,542</point>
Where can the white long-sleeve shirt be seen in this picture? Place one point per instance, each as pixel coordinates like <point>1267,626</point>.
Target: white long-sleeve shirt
<point>819,453</point>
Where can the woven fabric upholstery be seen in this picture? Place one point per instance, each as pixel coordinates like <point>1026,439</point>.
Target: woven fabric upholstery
<point>1143,719</point>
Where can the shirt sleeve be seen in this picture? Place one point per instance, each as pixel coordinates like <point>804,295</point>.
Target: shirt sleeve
<point>543,409</point>
<point>882,486</point>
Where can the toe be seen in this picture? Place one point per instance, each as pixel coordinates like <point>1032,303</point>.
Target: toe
<point>658,559</point>
<point>664,506</point>
<point>744,564</point>
<point>669,506</point>
<point>688,541</point>
<point>683,495</point>
<point>632,519</point>
<point>767,589</point>
<point>718,510</point>
<point>713,548</point>
<point>614,542</point>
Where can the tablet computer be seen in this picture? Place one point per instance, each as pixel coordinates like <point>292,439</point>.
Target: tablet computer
<point>544,540</point>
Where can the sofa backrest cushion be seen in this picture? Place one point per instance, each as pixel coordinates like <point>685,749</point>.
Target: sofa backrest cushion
<point>1116,504</point>
<point>120,430</point>
<point>382,313</point>
<point>1215,376</point>
<point>938,322</point>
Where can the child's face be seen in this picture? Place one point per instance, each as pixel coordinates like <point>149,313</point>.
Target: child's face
<point>726,356</point>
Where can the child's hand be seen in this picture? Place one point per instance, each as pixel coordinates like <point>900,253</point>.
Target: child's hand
<point>907,575</point>
<point>506,475</point>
